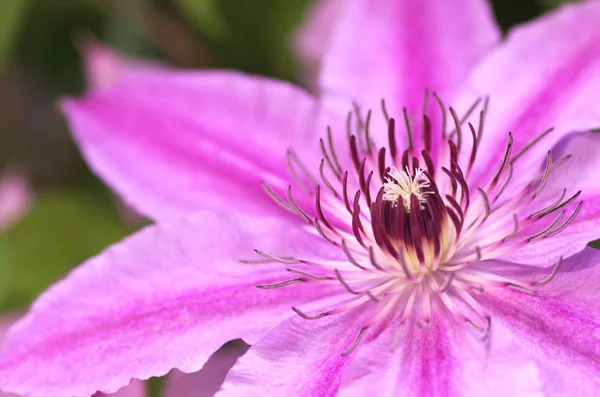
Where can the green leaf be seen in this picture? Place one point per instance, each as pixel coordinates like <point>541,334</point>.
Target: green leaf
<point>61,231</point>
<point>206,17</point>
<point>12,13</point>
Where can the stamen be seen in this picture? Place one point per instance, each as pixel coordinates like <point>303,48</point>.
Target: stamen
<point>428,163</point>
<point>443,111</point>
<point>367,133</point>
<point>542,234</point>
<point>545,175</point>
<point>309,275</point>
<point>292,157</point>
<point>505,184</point>
<point>325,180</point>
<point>447,282</point>
<point>409,138</point>
<point>332,150</point>
<point>322,234</point>
<point>346,286</point>
<point>281,259</point>
<point>505,159</point>
<point>296,206</point>
<point>515,229</point>
<point>354,344</point>
<point>307,316</point>
<point>373,260</point>
<point>486,202</point>
<point>345,192</point>
<point>551,275</point>
<point>320,212</point>
<point>531,144</point>
<point>482,115</point>
<point>426,134</point>
<point>548,210</point>
<point>281,284</point>
<point>458,129</point>
<point>357,226</point>
<point>276,198</point>
<point>567,222</point>
<point>520,288</point>
<point>354,152</point>
<point>385,112</point>
<point>328,159</point>
<point>360,128</point>
<point>404,267</point>
<point>485,330</point>
<point>401,184</point>
<point>350,257</point>
<point>474,147</point>
<point>392,138</point>
<point>381,163</point>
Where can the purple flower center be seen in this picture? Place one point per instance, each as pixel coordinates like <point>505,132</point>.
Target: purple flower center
<point>416,228</point>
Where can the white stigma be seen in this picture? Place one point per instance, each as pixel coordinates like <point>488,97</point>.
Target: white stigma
<point>402,184</point>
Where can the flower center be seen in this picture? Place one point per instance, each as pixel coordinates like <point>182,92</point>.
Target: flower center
<point>416,239</point>
<point>402,185</point>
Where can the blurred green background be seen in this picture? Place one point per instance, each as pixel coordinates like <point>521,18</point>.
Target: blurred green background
<point>73,215</point>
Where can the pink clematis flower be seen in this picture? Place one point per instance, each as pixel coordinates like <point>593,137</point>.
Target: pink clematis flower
<point>410,250</point>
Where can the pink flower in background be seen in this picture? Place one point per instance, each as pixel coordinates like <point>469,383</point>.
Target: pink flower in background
<point>15,197</point>
<point>410,250</point>
<point>314,37</point>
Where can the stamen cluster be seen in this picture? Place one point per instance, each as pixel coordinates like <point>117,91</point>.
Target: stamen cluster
<point>414,233</point>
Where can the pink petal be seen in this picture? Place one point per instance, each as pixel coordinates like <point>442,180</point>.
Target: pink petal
<point>395,50</point>
<point>15,197</point>
<point>135,389</point>
<point>580,172</point>
<point>567,381</point>
<point>5,323</point>
<point>445,359</point>
<point>298,358</point>
<point>167,297</point>
<point>104,66</point>
<point>314,36</point>
<point>560,324</point>
<point>546,74</point>
<point>172,143</point>
<point>208,380</point>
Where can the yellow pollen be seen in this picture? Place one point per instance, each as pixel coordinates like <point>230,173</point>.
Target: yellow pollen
<point>403,184</point>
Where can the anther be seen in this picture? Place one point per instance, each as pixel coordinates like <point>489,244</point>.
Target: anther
<point>322,233</point>
<point>309,275</point>
<point>285,260</point>
<point>276,198</point>
<point>308,316</point>
<point>325,180</point>
<point>347,287</point>
<point>350,257</point>
<point>296,206</point>
<point>505,159</point>
<point>409,137</point>
<point>551,275</point>
<point>354,344</point>
<point>281,284</point>
<point>531,144</point>
<point>521,288</point>
<point>443,111</point>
